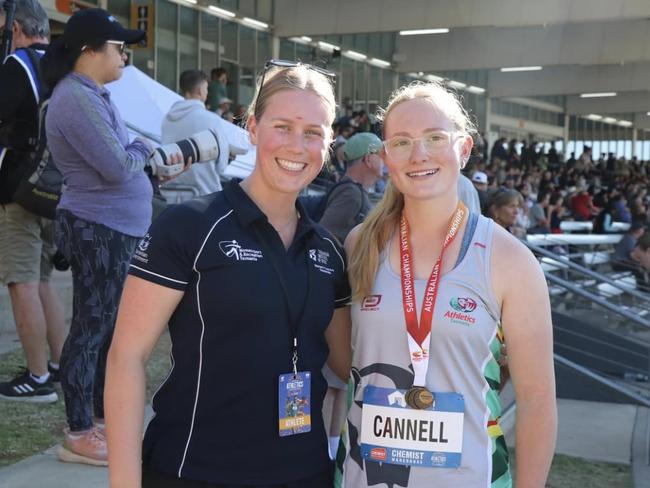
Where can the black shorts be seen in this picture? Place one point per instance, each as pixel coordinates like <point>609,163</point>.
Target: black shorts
<point>154,479</point>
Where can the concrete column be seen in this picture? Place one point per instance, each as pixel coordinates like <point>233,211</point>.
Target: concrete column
<point>275,47</point>
<point>487,122</point>
<point>634,139</point>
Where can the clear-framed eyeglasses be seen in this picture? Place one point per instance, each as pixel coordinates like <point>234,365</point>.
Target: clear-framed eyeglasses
<point>400,148</point>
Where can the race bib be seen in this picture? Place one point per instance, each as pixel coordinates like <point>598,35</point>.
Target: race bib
<point>294,403</point>
<point>393,433</point>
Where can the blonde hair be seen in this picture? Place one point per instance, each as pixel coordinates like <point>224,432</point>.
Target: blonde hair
<point>379,226</point>
<point>300,77</point>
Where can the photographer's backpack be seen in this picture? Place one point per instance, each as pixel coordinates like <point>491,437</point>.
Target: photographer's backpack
<point>39,191</point>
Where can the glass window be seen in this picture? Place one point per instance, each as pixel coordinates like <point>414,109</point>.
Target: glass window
<point>387,85</point>
<point>374,84</point>
<point>304,53</point>
<point>166,42</point>
<point>189,43</point>
<point>209,42</point>
<point>347,79</point>
<point>264,48</point>
<point>229,32</point>
<point>246,46</point>
<point>287,50</point>
<point>230,4</point>
<point>119,8</point>
<point>360,85</point>
<point>246,86</point>
<point>595,153</point>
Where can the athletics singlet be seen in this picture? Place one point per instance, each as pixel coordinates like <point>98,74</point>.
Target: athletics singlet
<point>464,350</point>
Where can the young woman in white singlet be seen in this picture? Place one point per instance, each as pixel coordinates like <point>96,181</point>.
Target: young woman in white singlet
<point>424,405</point>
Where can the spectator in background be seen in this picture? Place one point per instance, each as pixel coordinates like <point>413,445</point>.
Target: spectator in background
<point>557,212</point>
<point>239,116</point>
<point>223,107</point>
<point>504,208</point>
<point>639,210</point>
<point>186,118</point>
<point>539,216</point>
<point>480,181</point>
<point>571,162</point>
<point>26,240</point>
<point>622,256</point>
<point>603,223</point>
<point>623,213</point>
<point>585,163</point>
<point>513,155</point>
<point>348,203</point>
<point>553,157</point>
<point>498,152</point>
<point>104,211</point>
<point>217,89</point>
<point>582,204</point>
<point>641,256</point>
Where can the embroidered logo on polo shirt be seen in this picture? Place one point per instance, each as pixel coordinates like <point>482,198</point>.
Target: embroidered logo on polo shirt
<point>233,249</point>
<point>141,251</point>
<point>371,303</point>
<point>144,243</point>
<point>321,259</point>
<point>463,307</point>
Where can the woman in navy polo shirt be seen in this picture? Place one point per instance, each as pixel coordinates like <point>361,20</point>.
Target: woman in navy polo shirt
<point>254,293</point>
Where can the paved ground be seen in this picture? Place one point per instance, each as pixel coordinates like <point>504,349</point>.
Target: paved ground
<point>596,431</point>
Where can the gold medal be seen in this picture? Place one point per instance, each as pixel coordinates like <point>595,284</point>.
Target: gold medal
<point>419,398</point>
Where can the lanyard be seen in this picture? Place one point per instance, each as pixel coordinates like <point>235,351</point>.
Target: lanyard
<point>419,333</point>
<point>293,324</point>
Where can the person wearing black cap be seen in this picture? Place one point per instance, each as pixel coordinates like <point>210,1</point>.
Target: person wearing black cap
<point>104,210</point>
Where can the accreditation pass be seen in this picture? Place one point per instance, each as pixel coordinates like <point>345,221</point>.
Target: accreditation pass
<point>394,433</point>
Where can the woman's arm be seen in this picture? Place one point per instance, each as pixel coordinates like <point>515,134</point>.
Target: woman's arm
<point>144,311</point>
<point>520,286</point>
<point>88,125</point>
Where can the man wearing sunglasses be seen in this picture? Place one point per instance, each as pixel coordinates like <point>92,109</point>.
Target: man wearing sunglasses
<point>26,241</point>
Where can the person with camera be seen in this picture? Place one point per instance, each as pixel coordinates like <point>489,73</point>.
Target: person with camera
<point>105,209</point>
<point>26,240</point>
<point>186,118</point>
<point>254,294</point>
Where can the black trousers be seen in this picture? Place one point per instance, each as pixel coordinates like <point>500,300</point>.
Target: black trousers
<point>153,479</point>
<point>99,258</point>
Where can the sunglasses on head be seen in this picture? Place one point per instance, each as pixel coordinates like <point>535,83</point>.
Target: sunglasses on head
<point>281,63</point>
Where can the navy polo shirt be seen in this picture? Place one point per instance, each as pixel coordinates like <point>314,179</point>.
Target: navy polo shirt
<point>217,413</point>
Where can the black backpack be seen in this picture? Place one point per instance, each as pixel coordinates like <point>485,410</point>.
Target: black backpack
<point>39,190</point>
<point>315,205</point>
